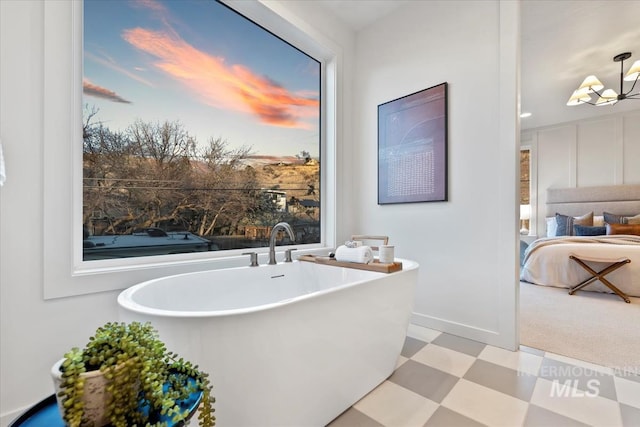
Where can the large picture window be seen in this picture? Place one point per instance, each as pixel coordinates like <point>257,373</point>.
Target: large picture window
<point>201,130</point>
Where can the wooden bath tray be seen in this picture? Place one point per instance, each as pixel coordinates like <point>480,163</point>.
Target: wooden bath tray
<point>372,266</point>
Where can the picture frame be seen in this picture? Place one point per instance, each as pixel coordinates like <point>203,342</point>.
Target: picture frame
<point>412,147</point>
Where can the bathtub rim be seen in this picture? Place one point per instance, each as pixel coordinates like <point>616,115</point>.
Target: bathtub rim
<point>125,298</point>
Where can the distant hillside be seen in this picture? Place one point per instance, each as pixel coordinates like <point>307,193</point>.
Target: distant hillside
<point>296,179</point>
<point>272,160</point>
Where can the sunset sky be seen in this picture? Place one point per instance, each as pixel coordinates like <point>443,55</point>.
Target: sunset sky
<point>200,63</point>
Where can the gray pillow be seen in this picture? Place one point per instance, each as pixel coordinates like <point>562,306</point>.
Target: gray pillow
<point>610,218</point>
<point>566,223</point>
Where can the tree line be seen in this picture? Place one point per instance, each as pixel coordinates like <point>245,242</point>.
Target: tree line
<point>157,175</point>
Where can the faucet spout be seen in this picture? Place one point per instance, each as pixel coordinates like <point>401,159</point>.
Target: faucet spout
<point>272,239</point>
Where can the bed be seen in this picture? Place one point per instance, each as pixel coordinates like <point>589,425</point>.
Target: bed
<point>546,261</point>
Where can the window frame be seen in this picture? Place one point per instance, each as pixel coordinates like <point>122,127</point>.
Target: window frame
<point>65,272</point>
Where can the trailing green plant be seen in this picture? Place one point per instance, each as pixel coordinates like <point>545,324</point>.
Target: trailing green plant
<point>145,380</point>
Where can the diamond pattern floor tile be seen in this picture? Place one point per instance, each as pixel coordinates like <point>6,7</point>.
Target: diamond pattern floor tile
<point>628,392</point>
<point>445,417</point>
<point>354,418</point>
<point>446,381</point>
<point>463,345</point>
<point>540,417</point>
<point>393,405</point>
<point>502,379</point>
<point>633,375</point>
<point>411,347</point>
<point>485,405</point>
<point>442,358</point>
<point>424,380</point>
<point>630,415</point>
<point>524,363</point>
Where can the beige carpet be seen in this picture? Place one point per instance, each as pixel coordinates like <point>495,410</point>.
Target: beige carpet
<point>591,326</point>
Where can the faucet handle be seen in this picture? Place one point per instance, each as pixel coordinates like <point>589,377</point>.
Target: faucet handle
<point>287,255</point>
<point>254,258</point>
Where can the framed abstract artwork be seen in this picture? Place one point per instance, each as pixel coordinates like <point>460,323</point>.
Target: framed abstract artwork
<point>412,147</point>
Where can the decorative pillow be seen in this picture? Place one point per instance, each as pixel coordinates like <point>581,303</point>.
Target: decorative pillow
<point>585,230</point>
<point>610,218</point>
<point>552,226</point>
<point>623,229</point>
<point>632,219</point>
<point>598,221</point>
<point>566,223</point>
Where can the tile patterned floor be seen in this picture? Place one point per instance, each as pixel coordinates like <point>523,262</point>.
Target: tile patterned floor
<point>444,380</point>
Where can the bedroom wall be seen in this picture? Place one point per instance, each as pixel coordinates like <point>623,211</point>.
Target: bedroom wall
<point>466,246</point>
<point>35,332</point>
<point>599,151</point>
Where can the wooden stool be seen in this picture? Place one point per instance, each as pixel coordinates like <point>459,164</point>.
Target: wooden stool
<point>614,264</point>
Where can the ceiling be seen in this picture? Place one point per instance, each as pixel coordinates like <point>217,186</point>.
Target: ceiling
<point>562,43</point>
<point>357,14</point>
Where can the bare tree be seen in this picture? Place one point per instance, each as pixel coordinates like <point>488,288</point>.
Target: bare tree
<point>224,182</point>
<point>154,175</point>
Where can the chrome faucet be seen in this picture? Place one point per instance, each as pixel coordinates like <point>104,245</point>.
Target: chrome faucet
<point>272,239</point>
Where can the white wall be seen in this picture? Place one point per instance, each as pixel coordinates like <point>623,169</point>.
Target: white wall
<point>466,246</point>
<point>592,152</point>
<point>36,332</point>
<point>33,333</point>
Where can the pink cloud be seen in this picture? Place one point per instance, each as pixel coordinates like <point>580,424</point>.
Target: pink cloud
<point>110,63</point>
<point>221,85</point>
<point>150,4</point>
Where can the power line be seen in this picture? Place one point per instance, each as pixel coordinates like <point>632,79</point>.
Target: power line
<point>137,187</point>
<point>132,179</point>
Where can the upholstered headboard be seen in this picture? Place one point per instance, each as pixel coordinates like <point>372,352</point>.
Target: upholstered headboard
<point>616,199</point>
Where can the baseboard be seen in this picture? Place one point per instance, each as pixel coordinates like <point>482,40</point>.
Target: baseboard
<point>462,330</point>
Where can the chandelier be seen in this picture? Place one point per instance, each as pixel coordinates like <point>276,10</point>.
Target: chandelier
<point>592,86</point>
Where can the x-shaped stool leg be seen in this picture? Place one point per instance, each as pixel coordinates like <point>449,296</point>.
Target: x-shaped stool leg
<point>599,275</point>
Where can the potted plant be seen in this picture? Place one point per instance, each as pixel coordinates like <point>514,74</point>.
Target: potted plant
<point>126,376</point>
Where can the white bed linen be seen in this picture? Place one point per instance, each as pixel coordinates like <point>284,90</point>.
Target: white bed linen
<point>549,263</point>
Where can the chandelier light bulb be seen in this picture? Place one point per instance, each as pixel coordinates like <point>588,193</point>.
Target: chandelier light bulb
<point>590,84</point>
<point>578,98</point>
<point>609,97</point>
<point>634,72</point>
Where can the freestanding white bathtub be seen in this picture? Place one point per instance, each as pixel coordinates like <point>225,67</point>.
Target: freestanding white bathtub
<point>291,344</point>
